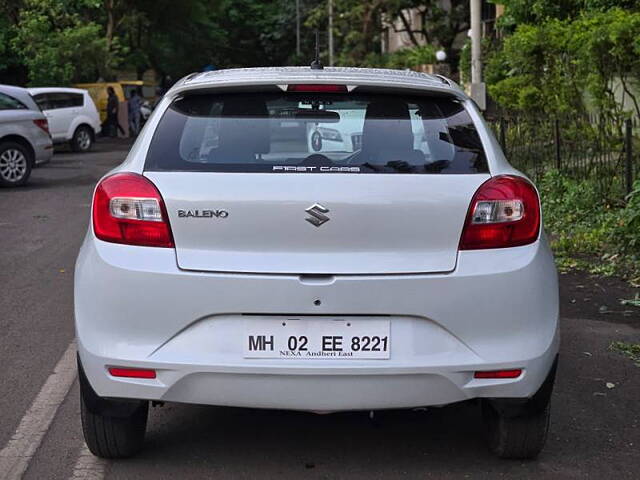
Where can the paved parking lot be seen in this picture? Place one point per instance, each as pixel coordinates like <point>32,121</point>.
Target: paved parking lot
<point>595,431</point>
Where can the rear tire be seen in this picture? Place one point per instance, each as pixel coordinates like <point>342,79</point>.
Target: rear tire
<point>82,140</point>
<point>112,428</point>
<point>518,437</point>
<point>16,162</point>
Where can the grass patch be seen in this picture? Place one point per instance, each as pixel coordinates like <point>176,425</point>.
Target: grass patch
<point>631,350</point>
<point>634,302</point>
<point>589,232</point>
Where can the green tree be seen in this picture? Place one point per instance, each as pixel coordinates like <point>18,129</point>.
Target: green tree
<point>358,27</point>
<point>570,65</point>
<point>57,44</point>
<point>61,41</point>
<point>12,71</point>
<point>440,23</point>
<point>518,12</point>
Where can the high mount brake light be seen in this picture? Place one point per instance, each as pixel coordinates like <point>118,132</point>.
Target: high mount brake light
<point>504,212</point>
<point>128,209</point>
<point>317,88</point>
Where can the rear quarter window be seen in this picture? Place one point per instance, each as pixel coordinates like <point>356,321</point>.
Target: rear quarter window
<point>77,100</point>
<point>7,102</point>
<point>57,100</point>
<point>42,101</point>
<point>316,133</point>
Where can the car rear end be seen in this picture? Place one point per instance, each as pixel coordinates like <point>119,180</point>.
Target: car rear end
<point>41,139</point>
<point>36,127</point>
<point>232,262</point>
<point>25,140</point>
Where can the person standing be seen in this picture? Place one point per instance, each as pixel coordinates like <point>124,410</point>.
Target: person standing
<point>112,114</point>
<point>134,105</point>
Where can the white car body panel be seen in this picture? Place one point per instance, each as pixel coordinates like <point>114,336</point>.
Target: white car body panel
<point>63,122</point>
<point>443,328</point>
<point>359,207</point>
<point>182,311</point>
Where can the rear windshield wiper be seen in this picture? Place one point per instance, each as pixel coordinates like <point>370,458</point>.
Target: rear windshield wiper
<point>396,165</point>
<point>371,166</point>
<point>400,166</point>
<point>405,167</point>
<point>437,166</point>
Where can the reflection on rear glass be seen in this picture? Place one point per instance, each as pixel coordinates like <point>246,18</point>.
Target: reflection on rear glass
<point>317,133</point>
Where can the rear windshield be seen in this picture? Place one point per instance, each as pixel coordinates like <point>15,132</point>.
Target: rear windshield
<point>316,133</point>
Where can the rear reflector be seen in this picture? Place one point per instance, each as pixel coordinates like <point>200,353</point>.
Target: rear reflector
<point>499,374</point>
<point>317,88</point>
<point>132,372</point>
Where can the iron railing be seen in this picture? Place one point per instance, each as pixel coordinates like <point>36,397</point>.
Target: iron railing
<point>582,147</point>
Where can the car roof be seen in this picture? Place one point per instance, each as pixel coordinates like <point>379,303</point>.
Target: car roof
<point>375,77</point>
<point>9,89</point>
<point>37,90</point>
<point>21,94</point>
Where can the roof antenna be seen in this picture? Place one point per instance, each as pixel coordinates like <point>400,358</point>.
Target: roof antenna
<point>317,64</point>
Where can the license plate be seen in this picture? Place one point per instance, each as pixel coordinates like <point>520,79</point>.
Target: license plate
<point>317,338</point>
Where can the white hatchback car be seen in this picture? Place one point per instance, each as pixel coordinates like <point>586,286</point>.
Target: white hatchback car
<point>227,263</point>
<point>72,115</point>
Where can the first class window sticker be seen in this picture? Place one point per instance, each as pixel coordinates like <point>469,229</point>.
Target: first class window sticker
<point>313,169</point>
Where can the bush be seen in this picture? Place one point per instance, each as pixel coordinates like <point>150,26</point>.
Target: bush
<point>58,46</point>
<point>586,230</point>
<point>404,58</point>
<point>569,65</point>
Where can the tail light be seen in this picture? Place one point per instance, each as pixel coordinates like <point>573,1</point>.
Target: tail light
<point>504,212</point>
<point>42,123</point>
<point>127,208</point>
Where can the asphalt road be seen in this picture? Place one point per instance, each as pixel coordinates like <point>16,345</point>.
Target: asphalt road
<point>595,431</point>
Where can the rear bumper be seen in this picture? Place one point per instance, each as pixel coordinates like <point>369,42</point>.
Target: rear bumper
<point>43,150</point>
<point>313,389</point>
<point>135,308</point>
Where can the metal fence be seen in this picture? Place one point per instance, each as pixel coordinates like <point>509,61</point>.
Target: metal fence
<point>582,147</point>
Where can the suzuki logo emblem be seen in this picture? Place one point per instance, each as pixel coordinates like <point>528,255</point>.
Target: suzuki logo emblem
<point>317,213</point>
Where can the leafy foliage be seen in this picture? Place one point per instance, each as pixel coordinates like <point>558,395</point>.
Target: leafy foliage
<point>63,41</point>
<point>536,11</point>
<point>359,26</point>
<point>56,44</point>
<point>570,64</point>
<point>583,226</point>
<point>410,57</point>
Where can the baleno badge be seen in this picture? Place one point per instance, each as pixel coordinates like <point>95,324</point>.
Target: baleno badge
<point>317,213</point>
<point>203,214</point>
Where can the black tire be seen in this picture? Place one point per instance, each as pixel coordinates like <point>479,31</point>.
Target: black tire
<point>82,140</point>
<point>16,162</point>
<point>516,436</point>
<point>112,428</point>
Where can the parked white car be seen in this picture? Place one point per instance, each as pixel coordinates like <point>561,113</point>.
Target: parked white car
<point>24,136</point>
<point>72,115</point>
<point>347,134</point>
<point>226,264</point>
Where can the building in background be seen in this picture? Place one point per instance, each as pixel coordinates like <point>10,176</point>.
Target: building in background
<point>409,30</point>
<point>395,36</point>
